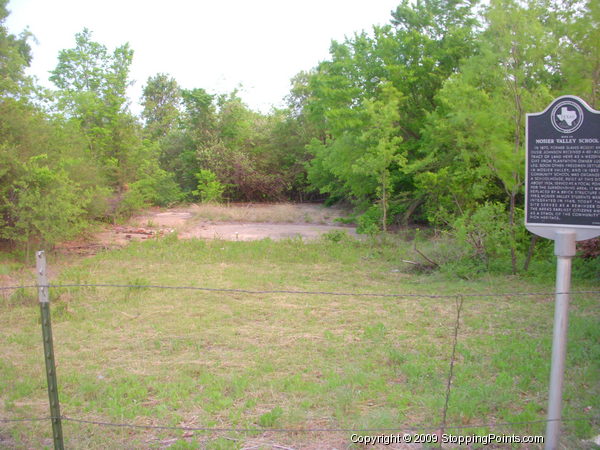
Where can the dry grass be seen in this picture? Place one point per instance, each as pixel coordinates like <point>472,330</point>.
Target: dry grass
<point>268,213</point>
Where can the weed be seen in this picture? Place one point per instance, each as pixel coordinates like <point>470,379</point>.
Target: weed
<point>138,284</point>
<point>336,236</point>
<point>7,268</point>
<point>23,296</point>
<point>270,418</point>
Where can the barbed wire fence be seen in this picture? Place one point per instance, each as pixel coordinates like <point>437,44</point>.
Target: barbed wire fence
<point>441,428</point>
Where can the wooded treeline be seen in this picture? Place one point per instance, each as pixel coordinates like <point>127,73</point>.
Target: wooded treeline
<point>418,120</point>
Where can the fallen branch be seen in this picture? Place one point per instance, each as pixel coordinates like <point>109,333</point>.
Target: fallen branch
<point>429,260</point>
<point>411,262</point>
<point>130,315</point>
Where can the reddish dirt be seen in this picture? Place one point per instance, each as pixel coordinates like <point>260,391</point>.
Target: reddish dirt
<point>188,224</point>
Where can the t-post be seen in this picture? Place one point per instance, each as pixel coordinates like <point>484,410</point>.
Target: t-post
<point>44,297</point>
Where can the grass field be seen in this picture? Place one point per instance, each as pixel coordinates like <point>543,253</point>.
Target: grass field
<point>223,360</point>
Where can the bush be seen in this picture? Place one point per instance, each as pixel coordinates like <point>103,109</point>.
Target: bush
<point>97,200</point>
<point>210,189</point>
<point>156,186</point>
<point>586,265</point>
<point>370,222</point>
<point>485,234</point>
<point>337,236</point>
<point>45,204</point>
<point>131,201</point>
<point>160,190</point>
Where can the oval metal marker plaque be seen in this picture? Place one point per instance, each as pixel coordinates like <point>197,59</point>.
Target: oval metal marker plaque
<point>562,183</point>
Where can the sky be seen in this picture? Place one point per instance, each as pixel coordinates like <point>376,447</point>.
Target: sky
<point>218,45</point>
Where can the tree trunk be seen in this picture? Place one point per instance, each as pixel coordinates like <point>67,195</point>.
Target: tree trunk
<point>513,237</point>
<point>532,242</point>
<point>384,203</point>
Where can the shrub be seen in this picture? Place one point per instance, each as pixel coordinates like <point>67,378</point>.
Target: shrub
<point>156,186</point>
<point>210,189</point>
<point>336,236</point>
<point>44,204</point>
<point>130,202</point>
<point>486,235</point>
<point>370,222</point>
<point>159,190</point>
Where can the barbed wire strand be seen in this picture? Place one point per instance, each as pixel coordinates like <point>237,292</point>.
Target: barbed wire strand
<point>65,418</point>
<point>25,286</point>
<point>28,419</point>
<point>285,291</point>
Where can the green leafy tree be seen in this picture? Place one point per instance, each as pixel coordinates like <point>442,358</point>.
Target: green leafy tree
<point>178,157</point>
<point>284,152</point>
<point>182,147</point>
<point>425,45</point>
<point>91,79</point>
<point>42,158</point>
<point>200,114</point>
<point>577,27</point>
<point>161,101</point>
<point>92,85</point>
<point>481,117</point>
<point>415,54</point>
<point>382,144</point>
<point>15,57</point>
<point>238,145</point>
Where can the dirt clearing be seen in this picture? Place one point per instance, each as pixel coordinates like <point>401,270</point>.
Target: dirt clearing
<point>233,222</point>
<point>246,222</point>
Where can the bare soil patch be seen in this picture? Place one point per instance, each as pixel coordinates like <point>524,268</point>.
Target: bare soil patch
<point>257,231</point>
<point>234,222</point>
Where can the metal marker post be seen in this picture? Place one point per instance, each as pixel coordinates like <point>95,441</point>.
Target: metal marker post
<point>44,298</point>
<point>564,249</point>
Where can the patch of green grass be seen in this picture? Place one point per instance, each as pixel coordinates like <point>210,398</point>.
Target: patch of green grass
<point>270,419</point>
<point>282,360</point>
<point>7,268</point>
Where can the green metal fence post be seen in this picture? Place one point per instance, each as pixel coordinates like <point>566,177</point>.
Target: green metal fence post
<point>44,297</point>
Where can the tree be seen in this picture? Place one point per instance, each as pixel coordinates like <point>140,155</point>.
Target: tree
<point>199,114</point>
<point>340,90</point>
<point>186,134</point>
<point>238,145</point>
<point>578,32</point>
<point>382,145</point>
<point>92,90</point>
<point>426,44</point>
<point>210,189</point>
<point>88,73</point>
<point>285,149</point>
<point>15,56</point>
<point>38,199</point>
<point>161,101</point>
<point>414,55</point>
<point>481,117</point>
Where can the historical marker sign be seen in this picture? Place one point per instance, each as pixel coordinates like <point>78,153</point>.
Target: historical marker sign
<point>563,169</point>
<point>562,202</point>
